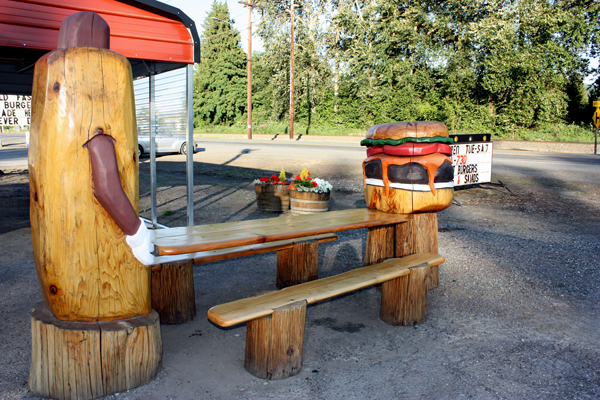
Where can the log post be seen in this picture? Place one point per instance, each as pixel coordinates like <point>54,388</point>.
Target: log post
<point>419,235</point>
<point>274,343</point>
<point>404,299</point>
<point>298,264</point>
<point>87,360</point>
<point>380,244</point>
<point>173,295</point>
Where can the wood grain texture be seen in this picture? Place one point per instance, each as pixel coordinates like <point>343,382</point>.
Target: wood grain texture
<point>272,197</point>
<point>419,235</point>
<point>173,295</point>
<point>87,360</point>
<point>85,268</point>
<point>416,302</point>
<point>381,244</point>
<point>225,254</point>
<point>407,202</point>
<point>274,343</point>
<point>186,240</point>
<point>404,299</point>
<point>243,310</point>
<point>308,202</point>
<point>298,264</point>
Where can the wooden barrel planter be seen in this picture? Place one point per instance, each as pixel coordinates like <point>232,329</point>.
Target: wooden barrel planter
<point>308,202</point>
<point>272,197</point>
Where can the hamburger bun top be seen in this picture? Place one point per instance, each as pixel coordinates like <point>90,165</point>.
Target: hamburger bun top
<point>402,132</point>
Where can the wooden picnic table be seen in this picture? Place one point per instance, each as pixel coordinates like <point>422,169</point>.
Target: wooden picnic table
<point>185,240</point>
<point>296,240</point>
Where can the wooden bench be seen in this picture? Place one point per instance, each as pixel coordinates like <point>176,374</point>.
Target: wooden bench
<point>275,331</point>
<point>173,295</point>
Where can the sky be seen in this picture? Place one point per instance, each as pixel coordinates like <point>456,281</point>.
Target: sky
<point>198,10</point>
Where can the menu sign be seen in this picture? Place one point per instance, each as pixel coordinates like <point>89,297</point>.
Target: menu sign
<point>472,163</point>
<point>15,110</point>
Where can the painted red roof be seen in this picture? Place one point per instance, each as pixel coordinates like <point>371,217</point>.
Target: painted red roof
<point>134,32</point>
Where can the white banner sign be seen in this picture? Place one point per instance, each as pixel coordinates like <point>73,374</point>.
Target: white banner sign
<point>472,163</point>
<point>15,110</point>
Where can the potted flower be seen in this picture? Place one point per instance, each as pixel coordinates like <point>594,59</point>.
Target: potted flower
<point>308,195</point>
<point>272,193</point>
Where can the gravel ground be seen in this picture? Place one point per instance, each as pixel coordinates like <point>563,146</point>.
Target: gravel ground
<point>516,315</point>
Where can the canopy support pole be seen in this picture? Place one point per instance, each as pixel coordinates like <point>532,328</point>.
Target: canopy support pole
<point>190,144</point>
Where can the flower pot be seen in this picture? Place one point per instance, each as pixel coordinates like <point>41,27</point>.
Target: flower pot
<point>272,197</point>
<point>308,202</point>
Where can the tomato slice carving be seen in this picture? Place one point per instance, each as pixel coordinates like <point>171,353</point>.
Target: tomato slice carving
<point>410,149</point>
<point>417,149</point>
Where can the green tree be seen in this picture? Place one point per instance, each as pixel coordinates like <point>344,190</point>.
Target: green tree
<point>478,65</point>
<point>220,79</point>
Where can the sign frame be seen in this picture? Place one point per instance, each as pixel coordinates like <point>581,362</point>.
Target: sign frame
<point>471,160</point>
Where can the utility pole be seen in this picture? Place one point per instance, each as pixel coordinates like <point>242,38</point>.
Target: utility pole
<point>596,119</point>
<point>249,64</point>
<point>292,72</point>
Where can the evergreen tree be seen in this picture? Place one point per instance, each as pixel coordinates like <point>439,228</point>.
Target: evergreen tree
<point>220,79</point>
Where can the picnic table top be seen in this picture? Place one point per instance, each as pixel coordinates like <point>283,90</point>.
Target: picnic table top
<point>191,239</point>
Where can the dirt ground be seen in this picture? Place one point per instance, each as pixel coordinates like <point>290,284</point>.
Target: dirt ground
<point>516,315</point>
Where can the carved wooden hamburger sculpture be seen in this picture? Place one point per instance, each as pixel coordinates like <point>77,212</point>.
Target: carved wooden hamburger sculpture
<point>408,167</point>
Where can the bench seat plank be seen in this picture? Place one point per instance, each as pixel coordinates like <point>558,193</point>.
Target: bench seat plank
<point>243,310</point>
<point>194,239</point>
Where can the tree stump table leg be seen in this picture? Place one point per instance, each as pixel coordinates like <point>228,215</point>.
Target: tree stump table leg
<point>404,299</point>
<point>274,343</point>
<point>173,295</point>
<point>87,360</point>
<point>298,264</point>
<point>380,244</point>
<point>419,235</point>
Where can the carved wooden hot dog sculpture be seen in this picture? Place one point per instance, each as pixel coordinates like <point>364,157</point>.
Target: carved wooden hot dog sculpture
<point>409,167</point>
<point>83,174</point>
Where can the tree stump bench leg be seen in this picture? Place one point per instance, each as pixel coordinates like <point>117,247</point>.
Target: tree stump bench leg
<point>274,343</point>
<point>298,264</point>
<point>173,295</point>
<point>404,299</point>
<point>87,360</point>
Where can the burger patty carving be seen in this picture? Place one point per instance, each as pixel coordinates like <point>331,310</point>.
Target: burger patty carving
<point>408,167</point>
